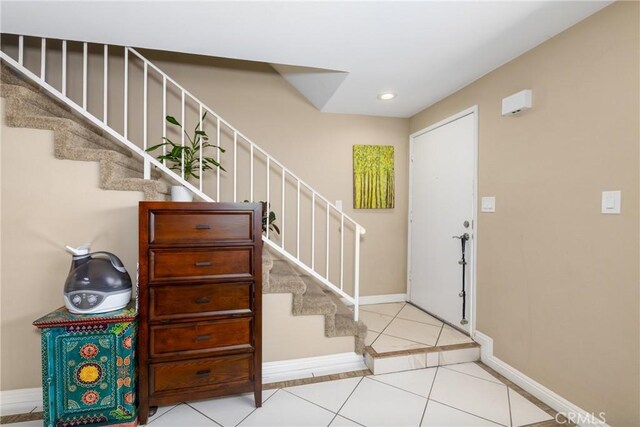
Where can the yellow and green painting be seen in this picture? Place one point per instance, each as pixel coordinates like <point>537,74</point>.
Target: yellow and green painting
<point>373,177</point>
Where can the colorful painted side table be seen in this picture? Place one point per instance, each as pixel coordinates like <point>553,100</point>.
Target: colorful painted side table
<point>89,368</point>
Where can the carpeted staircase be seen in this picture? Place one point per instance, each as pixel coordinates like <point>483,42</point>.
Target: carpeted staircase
<point>310,298</point>
<point>27,107</point>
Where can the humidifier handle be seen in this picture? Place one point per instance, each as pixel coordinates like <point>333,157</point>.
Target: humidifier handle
<point>115,261</point>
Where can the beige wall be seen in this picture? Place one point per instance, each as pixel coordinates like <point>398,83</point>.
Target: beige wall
<point>46,205</point>
<point>558,281</point>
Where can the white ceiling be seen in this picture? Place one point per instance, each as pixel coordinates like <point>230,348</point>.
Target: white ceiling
<point>340,55</point>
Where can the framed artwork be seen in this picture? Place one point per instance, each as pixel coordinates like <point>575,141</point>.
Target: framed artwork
<point>373,177</point>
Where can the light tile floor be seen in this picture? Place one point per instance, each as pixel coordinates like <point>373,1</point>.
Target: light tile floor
<point>455,395</point>
<point>401,326</point>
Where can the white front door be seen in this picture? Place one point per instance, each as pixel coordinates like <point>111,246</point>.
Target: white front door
<point>442,206</point>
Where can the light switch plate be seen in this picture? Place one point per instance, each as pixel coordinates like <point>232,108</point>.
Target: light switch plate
<point>488,204</point>
<point>611,201</point>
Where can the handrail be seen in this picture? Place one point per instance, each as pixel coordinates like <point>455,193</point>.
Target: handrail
<point>186,97</point>
<point>239,133</point>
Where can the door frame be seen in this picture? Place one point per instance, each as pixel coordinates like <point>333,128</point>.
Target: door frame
<point>474,210</point>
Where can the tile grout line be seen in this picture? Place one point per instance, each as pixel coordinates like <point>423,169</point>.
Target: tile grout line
<point>307,400</point>
<point>423,323</point>
<point>470,375</point>
<point>204,415</point>
<point>433,383</point>
<point>439,334</point>
<point>165,413</point>
<point>406,339</point>
<point>475,415</point>
<point>469,413</point>
<point>395,386</point>
<point>255,409</point>
<point>519,390</point>
<point>385,328</point>
<point>345,402</point>
<point>509,402</point>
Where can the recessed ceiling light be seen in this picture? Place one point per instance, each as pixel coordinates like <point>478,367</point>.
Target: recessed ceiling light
<point>386,96</point>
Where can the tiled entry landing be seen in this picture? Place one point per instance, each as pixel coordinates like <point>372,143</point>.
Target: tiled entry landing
<point>403,337</point>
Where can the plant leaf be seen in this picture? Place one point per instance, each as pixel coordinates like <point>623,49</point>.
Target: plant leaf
<point>176,151</point>
<point>169,141</point>
<point>155,147</point>
<point>173,121</point>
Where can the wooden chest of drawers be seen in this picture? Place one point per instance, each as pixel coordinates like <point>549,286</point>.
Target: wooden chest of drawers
<point>200,297</point>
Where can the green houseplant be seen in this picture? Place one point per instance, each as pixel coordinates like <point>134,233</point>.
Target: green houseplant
<point>178,156</point>
<point>268,219</point>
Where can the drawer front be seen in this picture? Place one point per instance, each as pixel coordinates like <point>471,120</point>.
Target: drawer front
<point>187,300</point>
<point>190,374</point>
<point>201,337</point>
<point>200,227</point>
<point>197,264</point>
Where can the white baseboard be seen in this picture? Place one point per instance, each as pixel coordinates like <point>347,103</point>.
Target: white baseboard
<point>554,400</point>
<point>382,299</point>
<point>286,370</point>
<point>22,395</point>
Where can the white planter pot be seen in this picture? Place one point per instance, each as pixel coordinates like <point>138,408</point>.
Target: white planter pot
<point>181,194</point>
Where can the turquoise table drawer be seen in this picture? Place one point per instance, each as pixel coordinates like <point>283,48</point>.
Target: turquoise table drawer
<point>89,368</point>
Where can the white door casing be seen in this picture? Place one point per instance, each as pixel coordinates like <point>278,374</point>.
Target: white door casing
<point>443,195</point>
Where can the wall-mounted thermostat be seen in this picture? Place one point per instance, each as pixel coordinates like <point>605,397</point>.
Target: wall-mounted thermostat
<point>516,103</point>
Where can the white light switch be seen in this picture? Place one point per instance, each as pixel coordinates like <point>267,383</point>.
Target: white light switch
<point>488,204</point>
<point>339,205</point>
<point>611,202</point>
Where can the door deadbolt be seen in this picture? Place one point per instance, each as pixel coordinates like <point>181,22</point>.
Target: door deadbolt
<point>466,224</point>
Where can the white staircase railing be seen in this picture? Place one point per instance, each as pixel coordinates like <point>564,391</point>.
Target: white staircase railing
<point>112,86</point>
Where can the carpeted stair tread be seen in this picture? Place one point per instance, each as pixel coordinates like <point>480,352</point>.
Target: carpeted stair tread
<point>58,124</point>
<point>14,86</point>
<point>314,300</point>
<point>152,189</point>
<point>10,77</point>
<point>27,109</point>
<point>110,171</point>
<point>283,279</point>
<point>40,103</point>
<point>267,264</point>
<point>267,259</point>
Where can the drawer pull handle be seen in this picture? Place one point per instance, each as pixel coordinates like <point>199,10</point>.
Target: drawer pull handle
<point>203,337</point>
<point>204,373</point>
<point>203,263</point>
<point>202,300</point>
<point>203,227</point>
